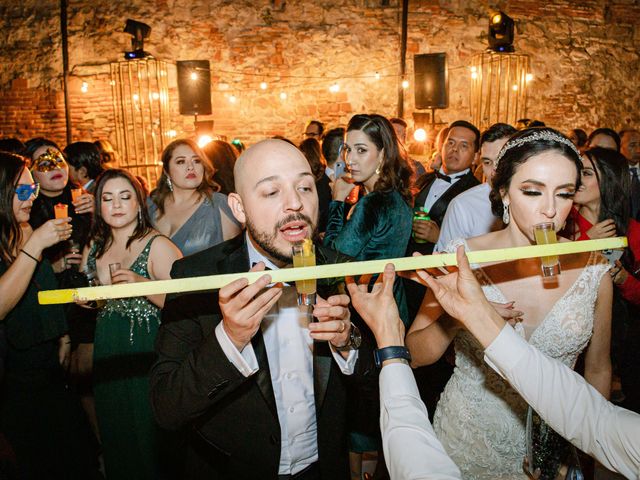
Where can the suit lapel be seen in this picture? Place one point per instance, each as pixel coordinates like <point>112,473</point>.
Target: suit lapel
<point>439,208</point>
<point>424,184</point>
<point>321,372</point>
<point>263,376</point>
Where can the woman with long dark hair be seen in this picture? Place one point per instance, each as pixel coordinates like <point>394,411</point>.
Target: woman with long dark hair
<point>223,158</point>
<point>124,248</point>
<point>378,226</point>
<point>39,415</point>
<point>187,206</point>
<point>480,419</point>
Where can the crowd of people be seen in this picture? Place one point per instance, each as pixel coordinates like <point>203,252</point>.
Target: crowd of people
<point>512,368</point>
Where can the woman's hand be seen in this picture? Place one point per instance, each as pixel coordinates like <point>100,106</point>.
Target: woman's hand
<point>85,203</point>
<point>64,351</point>
<point>603,229</point>
<point>126,276</point>
<point>618,273</point>
<point>342,189</point>
<point>49,233</point>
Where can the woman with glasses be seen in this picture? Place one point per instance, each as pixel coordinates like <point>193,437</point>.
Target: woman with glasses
<point>378,226</point>
<point>39,415</point>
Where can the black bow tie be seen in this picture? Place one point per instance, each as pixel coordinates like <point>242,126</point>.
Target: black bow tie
<point>442,176</point>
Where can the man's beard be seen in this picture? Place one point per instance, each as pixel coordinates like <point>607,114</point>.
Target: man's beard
<point>267,241</point>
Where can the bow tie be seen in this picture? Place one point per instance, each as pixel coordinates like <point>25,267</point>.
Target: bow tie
<point>442,176</point>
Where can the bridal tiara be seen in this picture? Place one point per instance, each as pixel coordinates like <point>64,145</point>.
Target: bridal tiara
<point>543,135</point>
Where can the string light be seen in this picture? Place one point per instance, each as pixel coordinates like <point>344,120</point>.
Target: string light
<point>515,88</point>
<point>283,96</point>
<point>85,87</point>
<point>420,135</point>
<point>334,88</point>
<point>474,75</point>
<point>263,85</point>
<point>232,98</point>
<point>529,77</point>
<point>155,95</point>
<point>405,84</point>
<point>136,97</point>
<point>172,133</point>
<point>377,75</point>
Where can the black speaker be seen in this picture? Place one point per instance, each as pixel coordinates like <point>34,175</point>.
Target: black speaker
<point>194,87</point>
<point>431,80</point>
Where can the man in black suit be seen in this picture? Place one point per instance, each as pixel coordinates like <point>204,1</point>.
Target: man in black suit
<point>258,386</point>
<point>439,187</point>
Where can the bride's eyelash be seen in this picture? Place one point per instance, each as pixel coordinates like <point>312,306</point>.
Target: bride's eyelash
<point>530,193</point>
<point>567,194</point>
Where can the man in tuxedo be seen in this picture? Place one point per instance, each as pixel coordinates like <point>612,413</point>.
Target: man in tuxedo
<point>439,187</point>
<point>630,148</point>
<point>258,387</point>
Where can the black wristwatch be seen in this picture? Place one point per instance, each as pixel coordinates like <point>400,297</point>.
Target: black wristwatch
<point>355,339</point>
<point>388,353</point>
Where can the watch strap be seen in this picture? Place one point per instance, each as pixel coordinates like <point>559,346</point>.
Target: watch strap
<point>388,353</point>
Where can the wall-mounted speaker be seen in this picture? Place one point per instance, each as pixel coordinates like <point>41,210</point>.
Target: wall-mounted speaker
<point>431,81</point>
<point>194,87</point>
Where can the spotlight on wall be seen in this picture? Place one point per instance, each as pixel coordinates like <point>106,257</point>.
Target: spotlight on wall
<point>138,31</point>
<point>501,33</point>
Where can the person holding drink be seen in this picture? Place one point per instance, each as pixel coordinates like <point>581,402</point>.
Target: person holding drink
<point>378,226</point>
<point>39,416</point>
<point>480,419</point>
<point>126,328</point>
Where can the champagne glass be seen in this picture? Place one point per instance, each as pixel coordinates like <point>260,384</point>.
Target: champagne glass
<point>304,255</point>
<point>545,234</point>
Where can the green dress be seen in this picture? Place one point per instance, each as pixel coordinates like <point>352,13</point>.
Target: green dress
<point>123,354</point>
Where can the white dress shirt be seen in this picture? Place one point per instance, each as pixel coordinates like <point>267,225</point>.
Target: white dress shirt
<point>468,215</point>
<point>440,186</point>
<point>330,172</point>
<point>563,398</point>
<point>289,350</point>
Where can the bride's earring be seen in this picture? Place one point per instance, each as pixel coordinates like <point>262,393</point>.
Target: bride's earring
<point>505,214</point>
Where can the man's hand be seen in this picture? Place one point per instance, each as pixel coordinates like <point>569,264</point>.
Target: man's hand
<point>378,308</point>
<point>243,306</point>
<point>603,229</point>
<point>426,230</point>
<point>334,323</point>
<point>460,294</point>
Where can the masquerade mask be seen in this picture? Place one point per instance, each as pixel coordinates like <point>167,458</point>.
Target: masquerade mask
<point>24,192</point>
<point>48,161</point>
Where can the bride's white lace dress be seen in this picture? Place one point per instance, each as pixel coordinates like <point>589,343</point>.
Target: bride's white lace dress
<point>480,419</point>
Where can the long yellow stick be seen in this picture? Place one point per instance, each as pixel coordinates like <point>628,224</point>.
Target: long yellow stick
<point>212,282</point>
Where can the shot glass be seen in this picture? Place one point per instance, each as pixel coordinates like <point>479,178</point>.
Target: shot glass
<point>545,234</point>
<point>113,268</point>
<point>61,210</point>
<point>304,255</point>
<point>76,193</point>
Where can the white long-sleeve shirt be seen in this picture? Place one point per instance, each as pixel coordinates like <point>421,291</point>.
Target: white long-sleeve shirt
<point>571,406</point>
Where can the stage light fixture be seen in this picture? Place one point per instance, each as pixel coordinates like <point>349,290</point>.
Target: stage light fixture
<point>501,33</point>
<point>138,31</point>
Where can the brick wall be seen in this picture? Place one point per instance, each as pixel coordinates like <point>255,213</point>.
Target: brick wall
<point>585,58</point>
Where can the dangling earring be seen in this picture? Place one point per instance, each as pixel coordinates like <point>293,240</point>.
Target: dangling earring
<point>379,168</point>
<point>505,214</point>
<point>169,184</point>
<point>139,215</point>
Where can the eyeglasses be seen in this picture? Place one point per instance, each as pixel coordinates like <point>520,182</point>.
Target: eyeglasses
<point>24,192</point>
<point>48,161</point>
<point>311,134</point>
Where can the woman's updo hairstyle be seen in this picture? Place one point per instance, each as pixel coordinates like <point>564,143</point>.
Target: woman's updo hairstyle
<point>520,148</point>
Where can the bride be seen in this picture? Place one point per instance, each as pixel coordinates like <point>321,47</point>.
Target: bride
<point>480,419</point>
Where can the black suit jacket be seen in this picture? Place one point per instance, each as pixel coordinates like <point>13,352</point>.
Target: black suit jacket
<point>231,421</point>
<point>438,209</point>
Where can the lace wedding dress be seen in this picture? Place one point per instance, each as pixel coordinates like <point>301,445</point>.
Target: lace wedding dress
<point>480,419</point>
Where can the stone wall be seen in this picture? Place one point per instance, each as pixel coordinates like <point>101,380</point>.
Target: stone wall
<point>585,58</point>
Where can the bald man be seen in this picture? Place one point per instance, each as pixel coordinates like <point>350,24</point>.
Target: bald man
<point>257,385</point>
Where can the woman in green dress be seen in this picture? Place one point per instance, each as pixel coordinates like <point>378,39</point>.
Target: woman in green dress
<point>378,226</point>
<point>124,248</point>
<point>39,416</point>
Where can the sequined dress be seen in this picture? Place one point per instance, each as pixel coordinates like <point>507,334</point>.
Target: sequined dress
<point>123,354</point>
<point>480,419</point>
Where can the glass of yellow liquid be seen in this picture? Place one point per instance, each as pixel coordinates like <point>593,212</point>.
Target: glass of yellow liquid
<point>304,255</point>
<point>545,234</point>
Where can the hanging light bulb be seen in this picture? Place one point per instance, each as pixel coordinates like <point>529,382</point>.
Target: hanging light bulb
<point>377,75</point>
<point>405,84</point>
<point>155,95</point>
<point>85,87</point>
<point>334,88</point>
<point>420,135</point>
<point>283,96</point>
<point>529,77</point>
<point>474,75</point>
<point>263,85</point>
<point>515,88</point>
<point>232,98</point>
<point>136,97</point>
